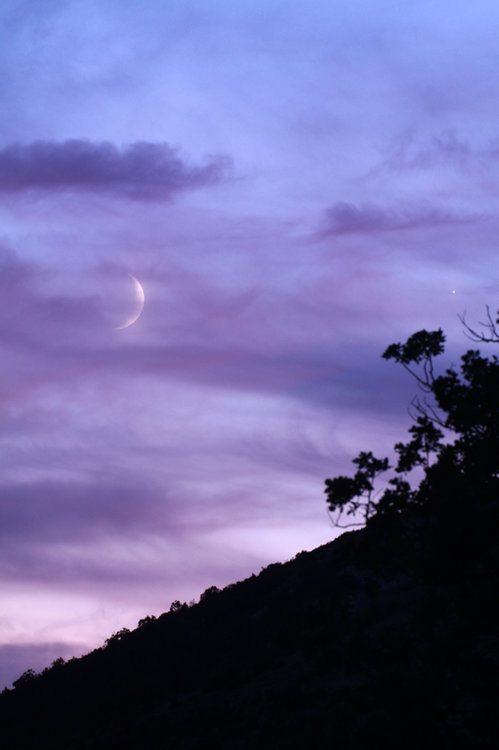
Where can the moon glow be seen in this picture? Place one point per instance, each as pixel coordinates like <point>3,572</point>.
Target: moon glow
<point>140,299</point>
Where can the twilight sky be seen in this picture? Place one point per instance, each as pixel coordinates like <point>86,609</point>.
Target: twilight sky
<point>296,185</point>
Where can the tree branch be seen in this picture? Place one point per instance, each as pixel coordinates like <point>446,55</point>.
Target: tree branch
<point>479,336</point>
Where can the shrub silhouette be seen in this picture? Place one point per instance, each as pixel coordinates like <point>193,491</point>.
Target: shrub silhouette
<point>27,677</point>
<point>118,636</point>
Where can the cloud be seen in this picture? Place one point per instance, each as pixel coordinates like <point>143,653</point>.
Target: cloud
<point>68,531</point>
<point>345,218</point>
<point>69,510</point>
<point>141,171</point>
<point>408,152</point>
<point>444,150</point>
<point>59,341</point>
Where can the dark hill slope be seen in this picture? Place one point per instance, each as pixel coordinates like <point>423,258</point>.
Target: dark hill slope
<point>384,637</point>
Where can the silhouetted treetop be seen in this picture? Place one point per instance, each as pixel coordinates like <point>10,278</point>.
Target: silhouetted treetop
<point>464,404</point>
<point>420,348</point>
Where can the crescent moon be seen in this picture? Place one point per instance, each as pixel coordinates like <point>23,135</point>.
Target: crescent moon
<point>140,297</point>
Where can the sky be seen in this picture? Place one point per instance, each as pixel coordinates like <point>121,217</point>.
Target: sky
<point>295,185</point>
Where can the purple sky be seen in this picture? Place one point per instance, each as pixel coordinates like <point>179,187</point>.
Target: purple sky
<point>296,185</point>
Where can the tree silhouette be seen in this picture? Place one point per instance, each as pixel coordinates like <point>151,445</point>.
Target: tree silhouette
<point>356,493</point>
<point>462,404</point>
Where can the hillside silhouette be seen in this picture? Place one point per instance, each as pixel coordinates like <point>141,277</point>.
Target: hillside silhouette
<point>386,637</point>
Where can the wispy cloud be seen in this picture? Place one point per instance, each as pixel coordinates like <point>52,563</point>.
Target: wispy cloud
<point>141,171</point>
<point>409,152</point>
<point>75,510</point>
<point>345,218</point>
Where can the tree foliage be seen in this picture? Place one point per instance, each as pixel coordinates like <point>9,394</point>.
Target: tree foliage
<point>454,438</point>
<point>356,493</point>
<point>28,676</point>
<point>118,636</point>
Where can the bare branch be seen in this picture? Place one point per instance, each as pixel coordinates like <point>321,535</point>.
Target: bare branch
<point>337,523</point>
<point>423,408</point>
<point>489,337</point>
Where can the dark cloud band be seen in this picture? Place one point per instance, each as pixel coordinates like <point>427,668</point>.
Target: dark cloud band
<point>142,171</point>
